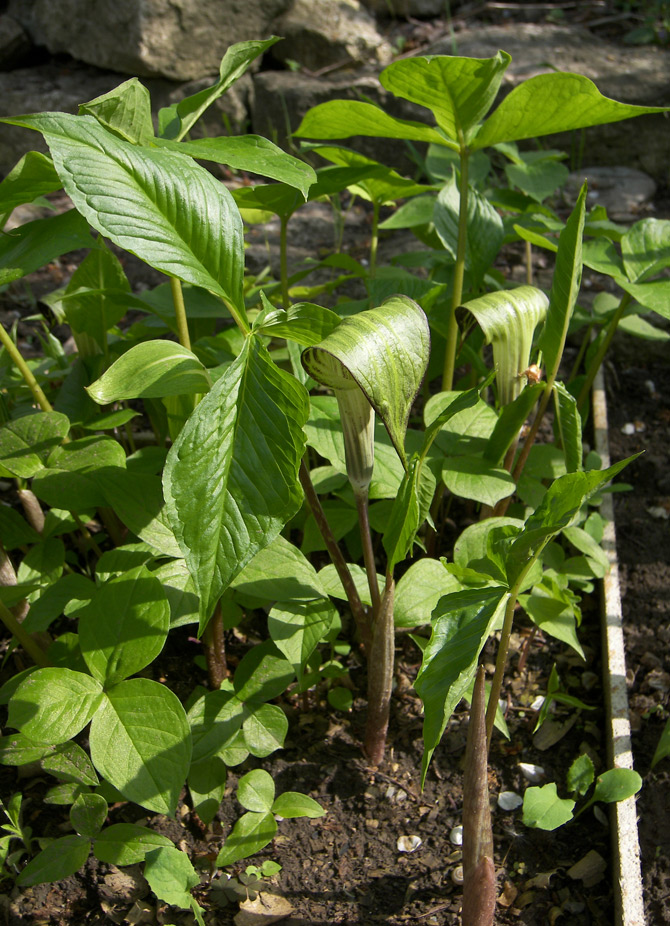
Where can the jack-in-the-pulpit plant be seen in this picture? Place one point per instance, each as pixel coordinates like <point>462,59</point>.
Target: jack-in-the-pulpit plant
<point>196,463</point>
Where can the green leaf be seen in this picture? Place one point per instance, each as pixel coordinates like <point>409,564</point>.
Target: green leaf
<point>71,480</point>
<point>537,177</point>
<point>569,425</point>
<point>171,876</point>
<point>508,319</point>
<point>304,323</point>
<point>419,590</point>
<point>553,615</point>
<point>230,479</point>
<point>617,784</point>
<point>382,186</point>
<point>177,120</point>
<point>384,352</point>
<point>32,176</point>
<point>126,843</point>
<point>179,591</point>
<point>125,626</point>
<point>29,247</point>
<point>331,582</point>
<point>152,369</point>
<point>344,118</point>
<point>564,287</point>
<point>141,743</point>
<point>256,791</point>
<point>280,572</point>
<point>59,860</point>
<point>484,234</point>
<point>207,784</point>
<point>459,91</point>
<point>558,509</point>
<point>585,543</point>
<point>214,720</point>
<point>462,623</point>
<point>252,153</point>
<point>580,775</point>
<point>263,673</point>
<point>53,705</point>
<point>69,762</point>
<point>88,813</point>
<point>655,295</point>
<point>543,809</point>
<point>18,749</point>
<point>137,499</point>
<point>293,804</point>
<point>251,833</point>
<point>164,208</point>
<point>645,249</point>
<point>25,443</point>
<point>475,478</point>
<point>264,728</point>
<point>442,408</point>
<point>296,628</point>
<point>125,111</point>
<point>15,530</point>
<point>551,103</point>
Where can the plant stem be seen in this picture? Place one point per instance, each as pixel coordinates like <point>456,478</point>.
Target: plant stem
<point>25,371</point>
<point>374,238</point>
<point>361,497</point>
<point>215,649</point>
<point>586,340</point>
<point>380,675</point>
<point>529,263</point>
<point>359,612</point>
<point>602,350</point>
<point>32,509</point>
<point>33,649</point>
<point>503,647</point>
<point>459,271</point>
<point>283,263</point>
<point>479,879</point>
<point>180,313</point>
<point>534,428</point>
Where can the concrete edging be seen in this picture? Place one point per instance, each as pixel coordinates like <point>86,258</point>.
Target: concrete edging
<point>627,872</point>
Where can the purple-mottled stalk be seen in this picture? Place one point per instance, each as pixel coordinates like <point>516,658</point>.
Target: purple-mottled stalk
<point>479,876</point>
<point>380,675</point>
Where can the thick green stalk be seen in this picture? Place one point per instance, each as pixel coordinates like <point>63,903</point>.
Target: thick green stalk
<point>25,371</point>
<point>459,272</point>
<point>602,350</point>
<point>180,313</point>
<point>361,497</point>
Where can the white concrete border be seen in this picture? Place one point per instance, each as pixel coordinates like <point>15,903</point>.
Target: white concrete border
<point>627,872</point>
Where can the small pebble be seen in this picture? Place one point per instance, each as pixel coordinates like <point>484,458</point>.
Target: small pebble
<point>456,836</point>
<point>533,773</point>
<point>537,703</point>
<point>408,843</point>
<point>508,800</point>
<point>457,875</point>
<point>628,428</point>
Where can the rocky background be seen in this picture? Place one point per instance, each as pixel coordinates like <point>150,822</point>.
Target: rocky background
<point>56,54</point>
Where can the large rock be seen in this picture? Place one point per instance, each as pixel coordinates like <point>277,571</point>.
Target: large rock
<point>420,9</point>
<point>14,43</point>
<point>322,33</point>
<point>178,39</point>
